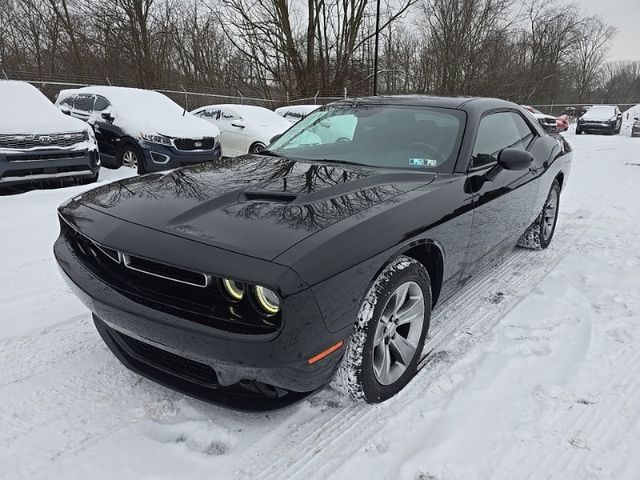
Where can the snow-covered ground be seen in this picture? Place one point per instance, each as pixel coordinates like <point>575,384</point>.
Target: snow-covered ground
<point>535,370</point>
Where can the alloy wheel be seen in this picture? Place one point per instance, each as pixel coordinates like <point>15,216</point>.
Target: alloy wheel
<point>398,333</point>
<point>129,159</point>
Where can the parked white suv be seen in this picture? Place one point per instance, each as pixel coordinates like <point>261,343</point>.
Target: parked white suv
<point>39,143</point>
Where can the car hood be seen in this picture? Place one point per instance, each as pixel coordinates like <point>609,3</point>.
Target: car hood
<point>598,116</point>
<point>253,205</point>
<point>178,126</point>
<point>40,122</point>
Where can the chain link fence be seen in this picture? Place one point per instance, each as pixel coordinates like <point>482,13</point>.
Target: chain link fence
<point>191,99</point>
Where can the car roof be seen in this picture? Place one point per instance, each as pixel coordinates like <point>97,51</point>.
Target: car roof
<point>460,103</point>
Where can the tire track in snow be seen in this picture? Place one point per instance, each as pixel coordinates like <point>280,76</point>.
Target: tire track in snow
<point>456,324</point>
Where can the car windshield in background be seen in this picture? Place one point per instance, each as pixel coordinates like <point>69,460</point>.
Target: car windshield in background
<point>600,111</point>
<point>377,135</point>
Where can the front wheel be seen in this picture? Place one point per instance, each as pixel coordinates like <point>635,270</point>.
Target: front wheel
<point>257,147</point>
<point>130,156</point>
<point>389,334</point>
<point>539,235</point>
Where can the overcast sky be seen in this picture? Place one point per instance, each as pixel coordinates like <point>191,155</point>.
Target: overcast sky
<point>625,16</point>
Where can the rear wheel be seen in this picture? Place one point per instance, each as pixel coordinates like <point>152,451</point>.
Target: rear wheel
<point>388,337</point>
<point>539,235</point>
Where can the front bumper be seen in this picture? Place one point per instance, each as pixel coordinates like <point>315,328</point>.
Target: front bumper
<point>158,157</point>
<point>246,371</point>
<point>596,127</point>
<point>42,165</point>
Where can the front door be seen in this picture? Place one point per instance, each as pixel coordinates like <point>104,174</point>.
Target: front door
<point>504,206</point>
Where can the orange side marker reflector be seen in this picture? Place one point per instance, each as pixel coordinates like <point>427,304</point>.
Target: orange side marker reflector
<point>325,353</point>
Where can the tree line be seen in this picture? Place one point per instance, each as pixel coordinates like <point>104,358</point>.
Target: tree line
<point>534,51</point>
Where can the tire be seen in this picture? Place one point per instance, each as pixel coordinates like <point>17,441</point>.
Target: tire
<point>539,235</point>
<point>257,147</point>
<point>130,155</point>
<point>361,374</point>
<point>617,130</point>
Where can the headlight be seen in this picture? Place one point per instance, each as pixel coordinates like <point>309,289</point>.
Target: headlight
<point>155,138</point>
<point>234,289</point>
<point>267,299</point>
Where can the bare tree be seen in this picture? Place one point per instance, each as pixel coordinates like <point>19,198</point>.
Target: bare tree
<point>591,48</point>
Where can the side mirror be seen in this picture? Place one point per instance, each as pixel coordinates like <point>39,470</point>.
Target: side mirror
<point>276,137</point>
<point>237,123</point>
<point>65,110</point>
<point>508,159</point>
<point>513,159</point>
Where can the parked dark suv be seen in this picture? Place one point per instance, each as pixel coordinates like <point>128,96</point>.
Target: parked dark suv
<point>600,119</point>
<point>142,128</point>
<point>40,144</point>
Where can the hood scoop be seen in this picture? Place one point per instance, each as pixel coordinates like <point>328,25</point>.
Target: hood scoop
<point>268,196</point>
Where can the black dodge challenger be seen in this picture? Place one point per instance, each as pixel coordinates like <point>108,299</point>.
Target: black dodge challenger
<point>253,281</point>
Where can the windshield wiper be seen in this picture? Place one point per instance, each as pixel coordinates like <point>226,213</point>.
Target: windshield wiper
<point>344,162</point>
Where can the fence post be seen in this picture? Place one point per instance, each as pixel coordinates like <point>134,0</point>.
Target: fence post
<point>5,74</point>
<point>108,81</point>
<point>345,93</point>
<point>186,100</point>
<point>241,97</point>
<point>315,98</point>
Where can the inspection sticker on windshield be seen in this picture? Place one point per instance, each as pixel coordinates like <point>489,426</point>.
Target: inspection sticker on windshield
<point>423,162</point>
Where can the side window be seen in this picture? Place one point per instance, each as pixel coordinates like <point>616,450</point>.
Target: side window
<point>100,104</point>
<point>209,113</point>
<point>498,131</point>
<point>229,116</point>
<point>68,102</point>
<point>84,103</point>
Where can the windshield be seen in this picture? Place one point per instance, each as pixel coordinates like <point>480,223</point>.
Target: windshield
<point>600,111</point>
<point>376,135</point>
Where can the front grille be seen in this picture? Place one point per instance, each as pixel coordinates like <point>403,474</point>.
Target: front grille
<point>167,361</point>
<point>190,144</point>
<point>44,156</point>
<point>41,141</point>
<point>180,292</point>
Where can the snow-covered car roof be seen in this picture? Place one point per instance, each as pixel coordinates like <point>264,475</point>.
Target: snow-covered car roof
<point>138,110</point>
<point>295,113</point>
<point>302,109</point>
<point>25,109</point>
<point>252,113</point>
